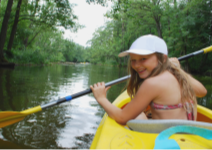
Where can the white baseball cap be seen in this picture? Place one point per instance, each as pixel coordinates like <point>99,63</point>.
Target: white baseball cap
<point>145,45</point>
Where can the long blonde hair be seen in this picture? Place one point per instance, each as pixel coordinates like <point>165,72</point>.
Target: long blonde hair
<point>187,92</point>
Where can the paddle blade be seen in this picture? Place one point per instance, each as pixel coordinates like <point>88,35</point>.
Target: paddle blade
<point>10,117</point>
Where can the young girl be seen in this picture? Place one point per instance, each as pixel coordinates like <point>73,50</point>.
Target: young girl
<point>155,80</point>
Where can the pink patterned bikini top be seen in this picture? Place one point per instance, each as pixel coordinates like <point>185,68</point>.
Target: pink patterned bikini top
<point>190,114</point>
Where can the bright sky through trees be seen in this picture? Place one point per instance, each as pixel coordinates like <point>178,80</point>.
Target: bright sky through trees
<point>91,16</point>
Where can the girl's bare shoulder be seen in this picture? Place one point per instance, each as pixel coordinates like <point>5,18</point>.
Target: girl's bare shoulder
<point>160,80</point>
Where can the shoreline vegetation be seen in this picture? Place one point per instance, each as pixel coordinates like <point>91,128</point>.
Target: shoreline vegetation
<point>208,73</point>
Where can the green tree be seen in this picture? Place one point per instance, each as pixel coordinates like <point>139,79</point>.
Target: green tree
<point>37,17</point>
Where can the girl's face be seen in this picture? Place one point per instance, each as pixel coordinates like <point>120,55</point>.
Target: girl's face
<point>143,64</point>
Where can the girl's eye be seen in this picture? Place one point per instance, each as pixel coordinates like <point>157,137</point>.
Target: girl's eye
<point>133,61</point>
<point>142,59</point>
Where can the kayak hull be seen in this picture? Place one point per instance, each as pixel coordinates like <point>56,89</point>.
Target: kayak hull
<point>111,135</point>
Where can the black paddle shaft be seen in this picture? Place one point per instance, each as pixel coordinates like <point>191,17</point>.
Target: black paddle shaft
<point>190,55</point>
<point>71,97</point>
<point>106,85</point>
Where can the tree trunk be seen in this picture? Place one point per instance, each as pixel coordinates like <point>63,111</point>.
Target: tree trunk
<point>204,59</point>
<point>25,42</point>
<point>28,43</point>
<point>2,77</point>
<point>12,35</point>
<point>186,67</point>
<point>158,25</point>
<point>4,27</point>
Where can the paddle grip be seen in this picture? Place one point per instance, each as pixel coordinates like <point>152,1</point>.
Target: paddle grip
<point>208,49</point>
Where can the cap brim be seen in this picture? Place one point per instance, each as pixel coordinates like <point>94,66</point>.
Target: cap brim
<point>135,51</point>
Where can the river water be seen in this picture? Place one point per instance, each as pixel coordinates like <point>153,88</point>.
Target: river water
<point>70,124</point>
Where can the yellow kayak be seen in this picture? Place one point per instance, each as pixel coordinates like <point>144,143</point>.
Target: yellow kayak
<point>158,134</point>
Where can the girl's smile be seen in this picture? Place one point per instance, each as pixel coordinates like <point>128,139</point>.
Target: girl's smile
<point>143,64</point>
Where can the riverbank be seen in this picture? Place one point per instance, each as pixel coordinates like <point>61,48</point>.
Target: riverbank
<point>7,64</point>
<point>32,64</point>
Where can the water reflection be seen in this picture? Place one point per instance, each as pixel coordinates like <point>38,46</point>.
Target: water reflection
<point>68,125</point>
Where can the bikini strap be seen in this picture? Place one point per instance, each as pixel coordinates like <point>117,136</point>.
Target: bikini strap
<point>166,107</point>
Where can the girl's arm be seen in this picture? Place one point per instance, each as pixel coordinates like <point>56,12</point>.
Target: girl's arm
<point>198,87</point>
<point>141,100</point>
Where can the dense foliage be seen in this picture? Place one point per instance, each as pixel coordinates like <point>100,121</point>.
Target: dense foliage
<point>30,33</point>
<point>185,25</point>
